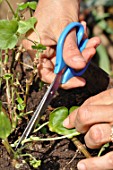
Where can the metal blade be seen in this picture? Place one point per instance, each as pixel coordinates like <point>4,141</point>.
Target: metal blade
<point>41,107</point>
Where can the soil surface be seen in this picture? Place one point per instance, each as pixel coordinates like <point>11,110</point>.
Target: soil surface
<point>60,154</point>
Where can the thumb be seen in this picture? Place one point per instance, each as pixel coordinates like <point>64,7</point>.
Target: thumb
<point>71,53</point>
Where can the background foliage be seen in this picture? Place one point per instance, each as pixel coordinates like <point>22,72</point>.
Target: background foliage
<point>99,18</point>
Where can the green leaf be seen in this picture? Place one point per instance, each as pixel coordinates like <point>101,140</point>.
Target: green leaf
<point>104,62</point>
<point>104,26</point>
<point>98,3</point>
<point>5,124</point>
<point>39,47</point>
<point>98,17</point>
<point>22,6</point>
<point>35,163</point>
<point>21,106</point>
<point>1,1</point>
<point>73,108</point>
<point>8,37</point>
<point>20,100</point>
<point>56,119</point>
<point>103,148</point>
<point>7,76</point>
<point>25,26</point>
<point>32,5</point>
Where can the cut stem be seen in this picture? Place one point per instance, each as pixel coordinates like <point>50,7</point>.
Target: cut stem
<point>80,147</point>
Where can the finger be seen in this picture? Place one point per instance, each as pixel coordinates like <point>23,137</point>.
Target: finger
<point>85,29</point>
<point>47,75</point>
<point>87,116</point>
<point>71,53</point>
<point>103,98</point>
<point>69,122</point>
<point>93,42</point>
<point>97,135</point>
<point>97,163</point>
<point>90,49</point>
<point>88,53</point>
<point>73,83</point>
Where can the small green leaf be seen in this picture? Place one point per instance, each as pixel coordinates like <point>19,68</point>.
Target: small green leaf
<point>103,148</point>
<point>104,26</point>
<point>22,6</point>
<point>1,1</point>
<point>32,5</point>
<point>73,108</point>
<point>25,26</point>
<point>100,17</point>
<point>5,124</point>
<point>35,163</point>
<point>104,62</point>
<point>8,37</point>
<point>7,76</point>
<point>21,106</point>
<point>20,100</point>
<point>39,47</point>
<point>44,130</point>
<point>56,119</point>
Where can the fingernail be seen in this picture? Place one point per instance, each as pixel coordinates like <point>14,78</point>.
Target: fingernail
<point>81,166</point>
<point>66,122</point>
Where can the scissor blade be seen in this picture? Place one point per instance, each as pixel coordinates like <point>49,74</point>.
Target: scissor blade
<point>41,107</point>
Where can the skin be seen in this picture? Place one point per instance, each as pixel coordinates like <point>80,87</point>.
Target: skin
<point>53,16</point>
<point>95,119</point>
<point>49,27</point>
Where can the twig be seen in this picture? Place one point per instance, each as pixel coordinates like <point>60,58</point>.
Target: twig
<point>80,147</point>
<point>72,159</point>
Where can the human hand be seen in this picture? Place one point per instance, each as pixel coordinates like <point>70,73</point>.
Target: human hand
<point>95,118</point>
<point>52,17</point>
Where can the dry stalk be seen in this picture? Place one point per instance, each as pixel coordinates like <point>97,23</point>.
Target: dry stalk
<point>81,147</point>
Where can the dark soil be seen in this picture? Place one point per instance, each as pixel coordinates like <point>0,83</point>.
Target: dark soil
<point>61,154</point>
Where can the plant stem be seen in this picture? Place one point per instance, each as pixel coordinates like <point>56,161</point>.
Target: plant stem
<point>30,40</point>
<point>6,57</point>
<point>32,138</point>
<point>1,69</point>
<point>7,146</point>
<point>37,35</point>
<point>103,148</point>
<point>80,147</point>
<point>10,7</point>
<point>40,127</point>
<point>8,96</point>
<point>20,48</point>
<point>31,14</point>
<point>28,84</point>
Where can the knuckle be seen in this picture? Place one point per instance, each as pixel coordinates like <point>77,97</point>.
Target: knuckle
<point>83,115</point>
<point>95,134</point>
<point>89,101</point>
<point>110,160</point>
<point>110,93</point>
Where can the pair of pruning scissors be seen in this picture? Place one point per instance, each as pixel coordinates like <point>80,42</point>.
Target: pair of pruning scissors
<point>63,74</point>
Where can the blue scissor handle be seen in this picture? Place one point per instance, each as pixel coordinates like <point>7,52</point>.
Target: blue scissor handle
<point>60,64</point>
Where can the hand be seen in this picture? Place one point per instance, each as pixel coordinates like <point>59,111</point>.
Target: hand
<point>95,118</point>
<point>52,17</point>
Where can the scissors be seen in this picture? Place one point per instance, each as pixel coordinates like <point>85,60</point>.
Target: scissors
<point>63,74</point>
